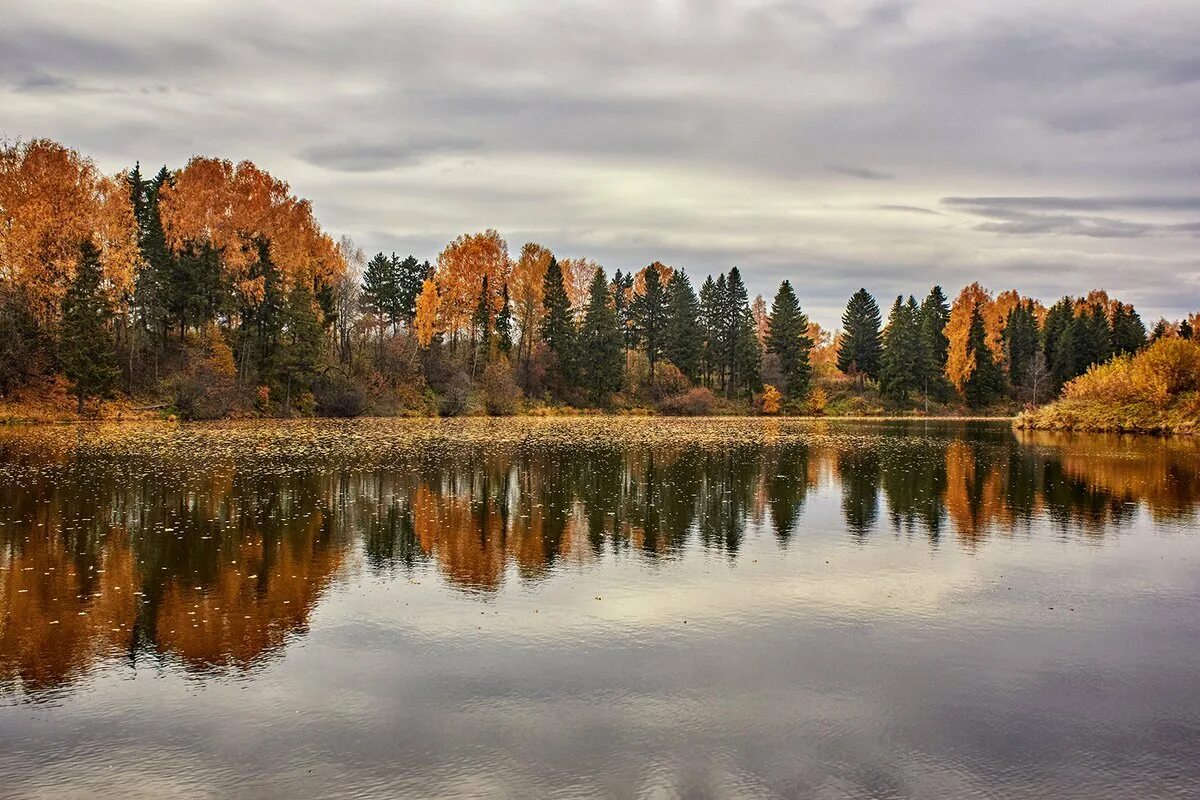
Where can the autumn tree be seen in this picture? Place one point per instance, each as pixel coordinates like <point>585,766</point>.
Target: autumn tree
<point>960,359</point>
<point>600,345</point>
<point>86,349</point>
<point>787,338</point>
<point>861,347</point>
<point>984,380</point>
<point>426,321</point>
<point>528,283</point>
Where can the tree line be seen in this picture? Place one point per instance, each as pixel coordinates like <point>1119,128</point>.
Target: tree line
<point>213,287</point>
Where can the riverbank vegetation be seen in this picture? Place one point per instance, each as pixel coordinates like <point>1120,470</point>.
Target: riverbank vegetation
<point>211,291</point>
<point>1156,390</point>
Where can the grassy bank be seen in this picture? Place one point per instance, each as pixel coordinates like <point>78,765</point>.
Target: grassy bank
<point>1155,391</point>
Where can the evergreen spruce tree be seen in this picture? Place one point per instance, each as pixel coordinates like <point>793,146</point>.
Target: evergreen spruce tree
<point>1159,332</point>
<point>902,359</point>
<point>1185,330</point>
<point>986,380</point>
<point>683,333</point>
<point>1128,330</point>
<point>558,326</point>
<point>788,340</point>
<point>861,347</point>
<point>303,338</point>
<point>711,301</point>
<point>1056,346</point>
<point>935,316</point>
<point>504,324</point>
<point>622,288</point>
<point>601,346</point>
<point>153,290</point>
<point>742,357</point>
<point>1021,341</point>
<point>269,318</point>
<point>650,317</point>
<point>86,349</point>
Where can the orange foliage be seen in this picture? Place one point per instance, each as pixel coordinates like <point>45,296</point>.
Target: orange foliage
<point>51,200</point>
<point>959,364</point>
<point>526,286</point>
<point>461,268</point>
<point>772,400</point>
<point>577,280</point>
<point>210,201</point>
<point>426,321</point>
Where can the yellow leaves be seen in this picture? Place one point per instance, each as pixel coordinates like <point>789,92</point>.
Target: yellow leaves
<point>959,361</point>
<point>52,199</point>
<point>577,280</point>
<point>427,313</point>
<point>461,268</point>
<point>526,286</point>
<point>772,400</point>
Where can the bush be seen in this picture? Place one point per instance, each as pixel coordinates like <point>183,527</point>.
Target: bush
<point>205,390</point>
<point>455,398</point>
<point>500,391</point>
<point>669,380</point>
<point>696,402</point>
<point>338,395</point>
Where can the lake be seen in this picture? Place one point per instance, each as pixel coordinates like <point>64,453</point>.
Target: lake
<point>611,607</point>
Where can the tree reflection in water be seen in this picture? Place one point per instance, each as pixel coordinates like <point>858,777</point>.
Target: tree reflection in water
<point>215,567</point>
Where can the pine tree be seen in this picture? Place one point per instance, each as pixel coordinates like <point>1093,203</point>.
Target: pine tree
<point>87,351</point>
<point>408,277</point>
<point>558,326</point>
<point>1160,330</point>
<point>622,289</point>
<point>788,340</point>
<point>1058,349</point>
<point>1185,330</point>
<point>935,316</point>
<point>986,380</point>
<point>601,346</point>
<point>683,334</point>
<point>861,347</point>
<point>380,290</point>
<point>902,359</point>
<point>649,313</point>
<point>504,324</point>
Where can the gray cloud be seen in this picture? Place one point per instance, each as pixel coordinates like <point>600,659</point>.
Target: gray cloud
<point>1047,146</point>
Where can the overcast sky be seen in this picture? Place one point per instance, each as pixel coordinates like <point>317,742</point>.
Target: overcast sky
<point>1042,145</point>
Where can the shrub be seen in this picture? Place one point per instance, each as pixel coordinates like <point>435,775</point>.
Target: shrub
<point>696,402</point>
<point>338,395</point>
<point>817,401</point>
<point>669,380</point>
<point>500,391</point>
<point>455,398</point>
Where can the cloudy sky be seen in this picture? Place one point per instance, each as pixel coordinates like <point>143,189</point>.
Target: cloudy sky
<point>1044,145</point>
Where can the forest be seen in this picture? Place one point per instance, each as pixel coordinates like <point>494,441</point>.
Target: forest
<point>211,291</point>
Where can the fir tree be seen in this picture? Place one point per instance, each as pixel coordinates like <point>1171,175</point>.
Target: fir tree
<point>1021,341</point>
<point>86,348</point>
<point>861,347</point>
<point>1056,346</point>
<point>788,340</point>
<point>986,380</point>
<point>683,333</point>
<point>622,288</point>
<point>601,346</point>
<point>739,337</point>
<point>558,326</point>
<point>482,323</point>
<point>504,324</point>
<point>408,276</point>
<point>1185,330</point>
<point>1128,330</point>
<point>1160,330</point>
<point>712,299</point>
<point>935,316</point>
<point>649,313</point>
<point>902,359</point>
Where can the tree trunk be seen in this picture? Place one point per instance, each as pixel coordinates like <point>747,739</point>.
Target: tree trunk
<point>79,397</point>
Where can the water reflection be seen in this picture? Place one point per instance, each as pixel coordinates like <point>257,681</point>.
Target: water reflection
<point>217,565</point>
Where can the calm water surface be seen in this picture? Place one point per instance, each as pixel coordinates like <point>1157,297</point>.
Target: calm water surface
<point>605,607</point>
